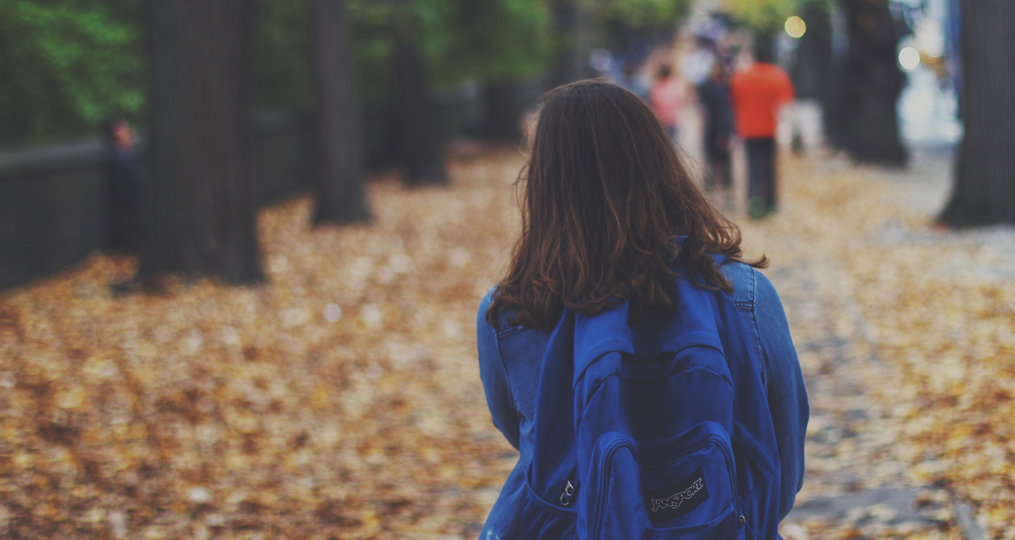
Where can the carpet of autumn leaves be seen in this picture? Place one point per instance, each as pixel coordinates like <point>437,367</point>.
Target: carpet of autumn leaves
<point>342,398</point>
<point>906,335</point>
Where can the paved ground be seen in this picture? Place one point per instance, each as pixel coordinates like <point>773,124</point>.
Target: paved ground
<point>842,230</point>
<point>343,398</point>
<point>852,486</point>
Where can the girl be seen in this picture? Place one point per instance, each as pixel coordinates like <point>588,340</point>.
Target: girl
<point>605,197</point>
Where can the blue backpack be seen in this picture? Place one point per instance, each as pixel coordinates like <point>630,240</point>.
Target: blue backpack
<point>656,430</point>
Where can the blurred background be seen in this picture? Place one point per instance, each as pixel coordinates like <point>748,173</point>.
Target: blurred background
<point>376,85</point>
<point>242,244</point>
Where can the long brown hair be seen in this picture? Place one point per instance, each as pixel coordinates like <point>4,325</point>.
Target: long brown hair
<point>605,197</point>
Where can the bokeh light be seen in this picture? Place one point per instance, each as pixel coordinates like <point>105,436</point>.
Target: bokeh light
<point>795,27</point>
<point>909,58</point>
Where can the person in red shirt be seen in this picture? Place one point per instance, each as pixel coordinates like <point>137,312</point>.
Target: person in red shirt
<point>758,93</point>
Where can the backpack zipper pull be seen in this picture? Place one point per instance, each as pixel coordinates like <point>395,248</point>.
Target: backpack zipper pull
<point>565,496</point>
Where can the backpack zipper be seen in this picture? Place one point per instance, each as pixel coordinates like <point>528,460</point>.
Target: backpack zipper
<point>733,482</point>
<point>616,445</point>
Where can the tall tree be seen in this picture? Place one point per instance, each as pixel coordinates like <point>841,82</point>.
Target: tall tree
<point>420,138</point>
<point>984,188</point>
<point>567,65</point>
<point>873,82</point>
<point>810,69</point>
<point>202,209</point>
<point>339,170</point>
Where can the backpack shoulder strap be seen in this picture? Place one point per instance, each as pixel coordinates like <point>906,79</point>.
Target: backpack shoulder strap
<point>554,461</point>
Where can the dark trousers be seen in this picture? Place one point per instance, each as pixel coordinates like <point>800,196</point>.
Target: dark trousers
<point>761,173</point>
<point>719,172</point>
<point>717,156</point>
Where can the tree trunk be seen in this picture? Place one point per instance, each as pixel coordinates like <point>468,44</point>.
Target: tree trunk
<point>420,139</point>
<point>567,66</point>
<point>835,114</point>
<point>811,69</point>
<point>984,189</point>
<point>339,165</point>
<point>873,84</point>
<point>203,206</point>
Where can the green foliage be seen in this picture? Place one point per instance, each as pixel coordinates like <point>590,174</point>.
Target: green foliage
<point>66,65</point>
<point>461,40</point>
<point>763,16</point>
<point>639,14</point>
<point>283,55</point>
<point>489,41</point>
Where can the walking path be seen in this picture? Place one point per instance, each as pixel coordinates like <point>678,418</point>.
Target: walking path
<point>343,399</point>
<point>861,272</point>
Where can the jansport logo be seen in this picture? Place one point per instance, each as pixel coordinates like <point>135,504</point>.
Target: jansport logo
<point>674,501</point>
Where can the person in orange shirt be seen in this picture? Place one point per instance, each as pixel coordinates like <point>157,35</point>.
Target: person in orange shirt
<point>758,93</point>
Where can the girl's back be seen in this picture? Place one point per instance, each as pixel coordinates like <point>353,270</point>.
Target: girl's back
<point>605,198</point>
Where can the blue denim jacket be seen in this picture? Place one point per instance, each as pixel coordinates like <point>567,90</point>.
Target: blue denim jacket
<point>509,364</point>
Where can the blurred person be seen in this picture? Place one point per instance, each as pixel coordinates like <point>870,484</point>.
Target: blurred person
<point>631,79</point>
<point>696,63</point>
<point>714,96</point>
<point>666,99</point>
<point>599,151</point>
<point>127,185</point>
<point>757,93</point>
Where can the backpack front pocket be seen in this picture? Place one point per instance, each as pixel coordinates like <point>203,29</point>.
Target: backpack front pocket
<point>685,486</point>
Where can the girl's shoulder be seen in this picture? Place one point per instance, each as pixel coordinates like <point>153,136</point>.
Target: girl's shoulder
<point>501,322</point>
<point>744,279</point>
<point>751,288</point>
